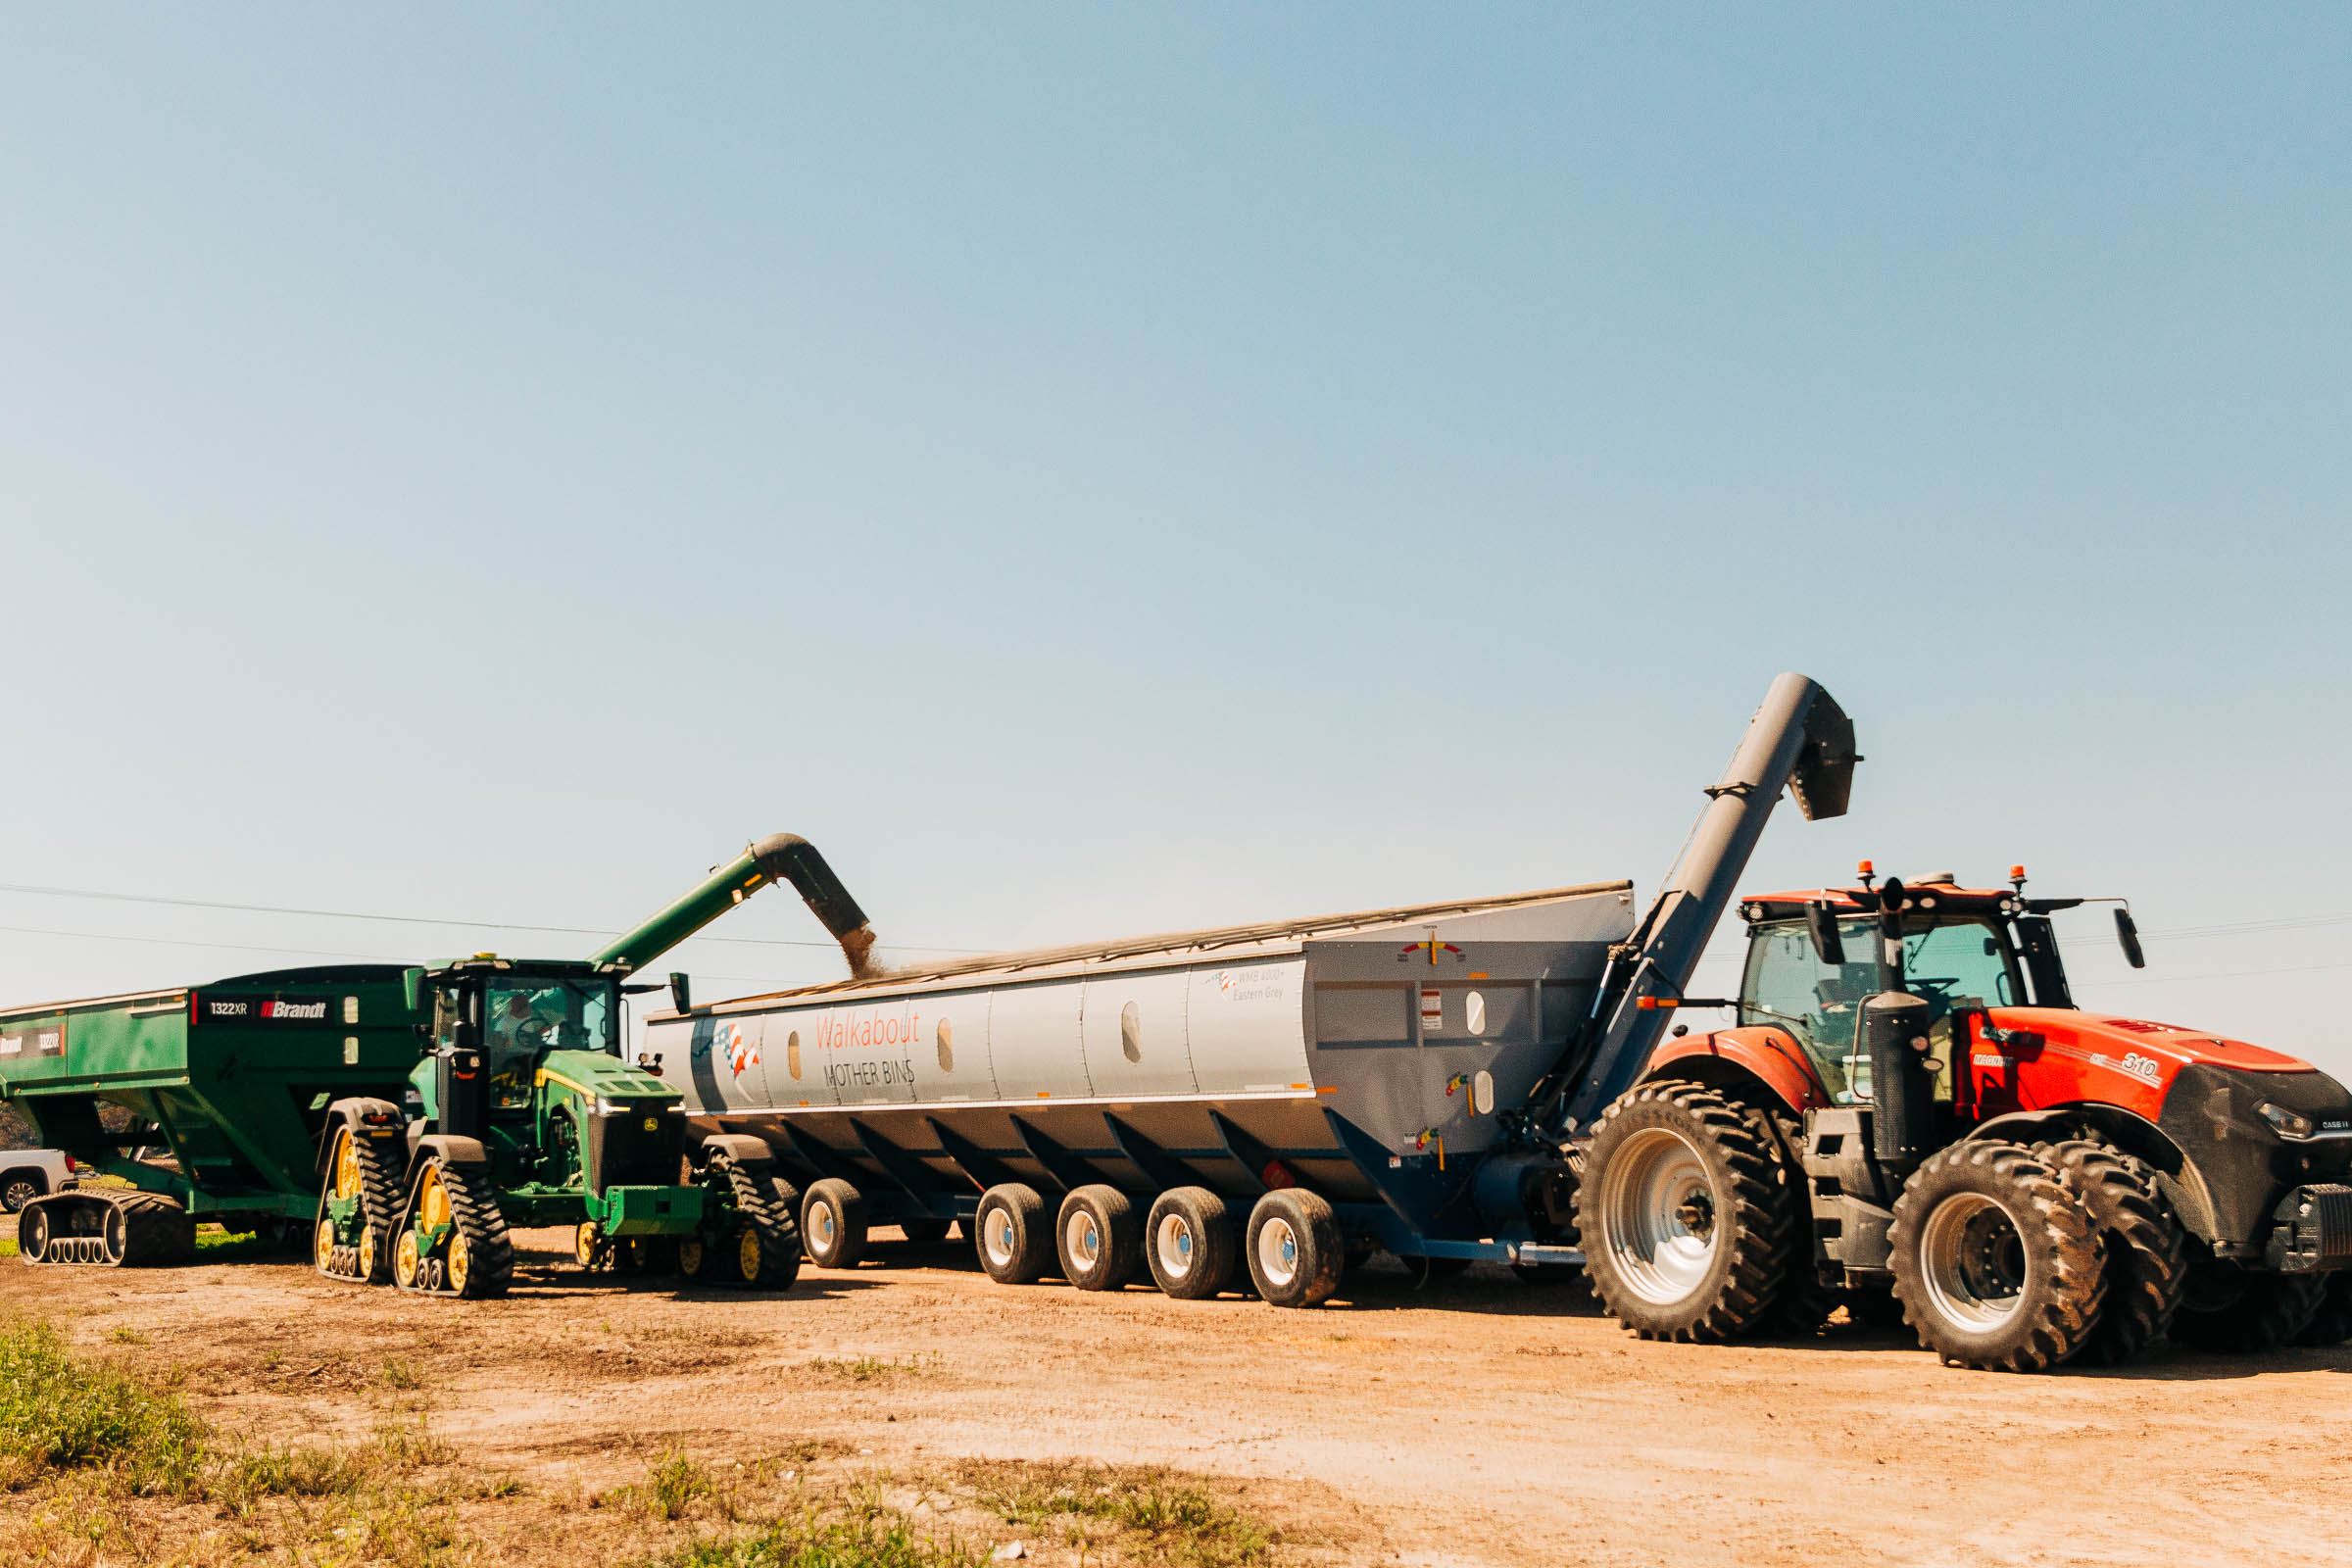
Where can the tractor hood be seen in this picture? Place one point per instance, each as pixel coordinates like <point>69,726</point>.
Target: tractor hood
<point>2250,1123</point>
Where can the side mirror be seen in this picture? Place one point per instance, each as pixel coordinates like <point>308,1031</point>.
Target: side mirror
<point>1827,946</point>
<point>681,992</point>
<point>412,989</point>
<point>2126,932</point>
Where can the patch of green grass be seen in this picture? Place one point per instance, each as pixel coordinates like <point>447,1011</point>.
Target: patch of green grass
<point>871,1536</point>
<point>875,1368</point>
<point>59,1413</point>
<point>398,1374</point>
<point>125,1334</point>
<point>671,1487</point>
<point>1175,1519</point>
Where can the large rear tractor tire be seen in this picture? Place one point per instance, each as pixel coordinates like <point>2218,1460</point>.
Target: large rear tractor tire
<point>2147,1257</point>
<point>1190,1243</point>
<point>2236,1311</point>
<point>833,1224</point>
<point>1684,1214</point>
<point>1296,1254</point>
<point>1011,1233</point>
<point>1997,1265</point>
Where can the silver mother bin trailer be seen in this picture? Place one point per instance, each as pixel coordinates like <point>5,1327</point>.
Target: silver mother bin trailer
<point>1277,1098</point>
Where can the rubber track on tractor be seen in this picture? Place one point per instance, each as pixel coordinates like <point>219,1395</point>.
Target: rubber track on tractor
<point>2148,1252</point>
<point>779,1232</point>
<point>124,1230</point>
<point>379,1202</point>
<point>473,1210</point>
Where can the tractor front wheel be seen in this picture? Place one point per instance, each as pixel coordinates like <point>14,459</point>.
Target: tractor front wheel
<point>1997,1265</point>
<point>2236,1311</point>
<point>1684,1214</point>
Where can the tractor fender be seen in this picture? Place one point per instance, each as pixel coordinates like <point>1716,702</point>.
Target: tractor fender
<point>451,1149</point>
<point>2178,1176</point>
<point>367,1118</point>
<point>741,1147</point>
<point>1768,1056</point>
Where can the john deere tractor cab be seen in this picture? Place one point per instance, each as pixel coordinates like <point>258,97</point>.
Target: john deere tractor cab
<point>1911,1114</point>
<point>523,1112</point>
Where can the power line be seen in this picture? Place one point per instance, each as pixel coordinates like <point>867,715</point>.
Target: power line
<point>409,920</point>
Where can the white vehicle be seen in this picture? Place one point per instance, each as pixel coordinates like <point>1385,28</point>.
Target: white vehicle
<point>27,1173</point>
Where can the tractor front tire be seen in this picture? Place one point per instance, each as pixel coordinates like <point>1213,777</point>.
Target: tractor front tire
<point>2236,1311</point>
<point>2331,1324</point>
<point>2148,1252</point>
<point>1997,1265</point>
<point>1684,1214</point>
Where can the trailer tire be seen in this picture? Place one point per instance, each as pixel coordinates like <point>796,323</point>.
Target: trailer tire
<point>2147,1257</point>
<point>2236,1311</point>
<point>1097,1238</point>
<point>1998,1265</point>
<point>833,1224</point>
<point>1682,1215</point>
<point>1293,1248</point>
<point>1189,1241</point>
<point>1008,1232</point>
<point>2331,1324</point>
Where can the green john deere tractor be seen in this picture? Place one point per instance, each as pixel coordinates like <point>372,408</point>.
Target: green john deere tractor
<point>524,1113</point>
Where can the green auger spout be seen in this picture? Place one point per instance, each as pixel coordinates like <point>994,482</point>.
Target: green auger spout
<point>779,857</point>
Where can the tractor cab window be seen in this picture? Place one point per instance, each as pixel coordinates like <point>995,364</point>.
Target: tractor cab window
<point>1963,960</point>
<point>528,1018</point>
<point>1944,964</point>
<point>1788,986</point>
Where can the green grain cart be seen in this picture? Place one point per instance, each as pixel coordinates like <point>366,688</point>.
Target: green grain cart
<point>398,1119</point>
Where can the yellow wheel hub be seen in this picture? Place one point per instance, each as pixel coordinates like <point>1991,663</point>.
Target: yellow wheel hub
<point>347,1165</point>
<point>583,1244</point>
<point>405,1258</point>
<point>368,1251</point>
<point>432,1203</point>
<point>746,1254</point>
<point>461,1262</point>
<point>323,1243</point>
<point>690,1255</point>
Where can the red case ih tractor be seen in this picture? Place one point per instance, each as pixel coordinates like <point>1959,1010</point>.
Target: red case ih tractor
<point>1912,1114</point>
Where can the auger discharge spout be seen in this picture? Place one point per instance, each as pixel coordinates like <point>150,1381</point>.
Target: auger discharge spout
<point>780,858</point>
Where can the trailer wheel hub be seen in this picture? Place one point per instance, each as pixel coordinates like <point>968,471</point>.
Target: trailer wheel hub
<point>1278,1251</point>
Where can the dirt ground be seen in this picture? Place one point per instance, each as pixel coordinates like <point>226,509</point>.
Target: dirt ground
<point>1480,1421</point>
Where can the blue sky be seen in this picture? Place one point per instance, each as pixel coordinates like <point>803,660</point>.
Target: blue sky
<point>1098,470</point>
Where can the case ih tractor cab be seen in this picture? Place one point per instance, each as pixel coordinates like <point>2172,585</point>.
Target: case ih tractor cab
<point>1911,1105</point>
